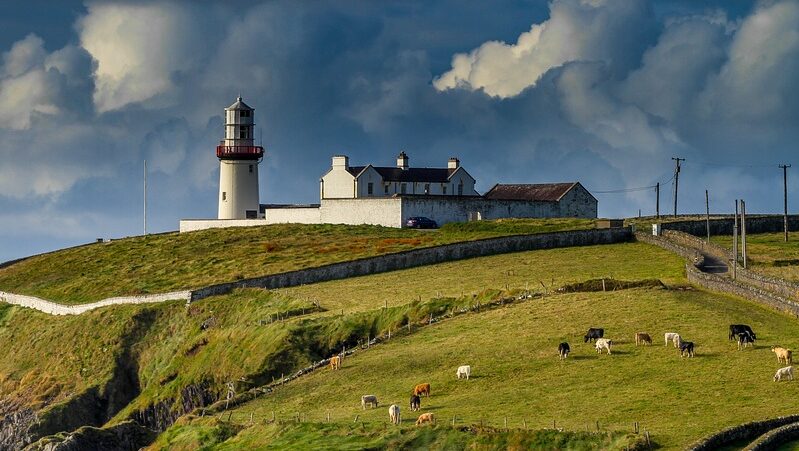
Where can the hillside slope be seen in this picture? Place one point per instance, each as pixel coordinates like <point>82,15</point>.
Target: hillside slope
<point>172,261</point>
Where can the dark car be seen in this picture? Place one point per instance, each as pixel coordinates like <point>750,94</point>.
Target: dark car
<point>420,222</point>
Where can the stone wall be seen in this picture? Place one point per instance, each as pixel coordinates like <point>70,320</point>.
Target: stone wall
<point>61,309</point>
<point>191,225</point>
<point>383,211</point>
<point>723,226</point>
<point>421,257</point>
<point>747,431</point>
<point>294,215</point>
<point>773,439</point>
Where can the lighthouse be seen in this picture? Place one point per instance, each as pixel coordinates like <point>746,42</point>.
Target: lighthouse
<point>238,164</point>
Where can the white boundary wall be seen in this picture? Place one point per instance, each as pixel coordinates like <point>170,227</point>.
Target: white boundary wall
<point>61,309</point>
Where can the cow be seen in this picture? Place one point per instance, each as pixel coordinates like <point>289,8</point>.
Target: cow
<point>783,355</point>
<point>335,363</point>
<point>603,343</point>
<point>642,338</point>
<point>736,329</point>
<point>563,350</point>
<point>368,399</point>
<point>394,414</point>
<point>425,418</point>
<point>782,372</point>
<point>686,348</point>
<point>416,403</point>
<point>593,334</point>
<point>673,337</point>
<point>422,389</point>
<point>745,338</point>
<point>464,371</point>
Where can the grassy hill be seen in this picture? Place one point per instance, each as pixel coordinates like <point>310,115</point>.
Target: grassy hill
<point>172,261</point>
<point>516,374</point>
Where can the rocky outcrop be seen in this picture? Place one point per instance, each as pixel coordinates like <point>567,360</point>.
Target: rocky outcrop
<point>121,437</point>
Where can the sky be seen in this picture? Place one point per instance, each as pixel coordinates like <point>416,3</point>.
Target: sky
<point>597,91</point>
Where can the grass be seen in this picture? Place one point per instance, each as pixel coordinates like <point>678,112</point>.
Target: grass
<point>517,375</point>
<point>161,263</point>
<point>768,253</point>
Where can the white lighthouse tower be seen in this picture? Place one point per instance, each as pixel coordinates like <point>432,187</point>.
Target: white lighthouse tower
<point>238,164</point>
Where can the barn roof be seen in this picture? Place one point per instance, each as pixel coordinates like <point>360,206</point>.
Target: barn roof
<point>540,192</point>
<point>420,175</point>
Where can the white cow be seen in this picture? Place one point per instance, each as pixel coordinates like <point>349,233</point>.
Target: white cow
<point>603,343</point>
<point>787,371</point>
<point>394,414</point>
<point>672,336</point>
<point>464,371</point>
<point>368,399</point>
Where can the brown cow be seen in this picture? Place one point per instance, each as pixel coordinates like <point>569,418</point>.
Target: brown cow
<point>422,389</point>
<point>335,363</point>
<point>642,338</point>
<point>425,418</point>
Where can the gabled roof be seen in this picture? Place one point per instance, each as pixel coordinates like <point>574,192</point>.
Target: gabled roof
<point>540,192</point>
<point>419,175</point>
<point>239,105</point>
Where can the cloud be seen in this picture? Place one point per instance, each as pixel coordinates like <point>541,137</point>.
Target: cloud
<point>140,49</point>
<point>577,30</point>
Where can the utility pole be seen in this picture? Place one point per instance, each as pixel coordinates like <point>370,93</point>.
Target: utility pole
<point>743,232</point>
<point>735,242</point>
<point>707,215</point>
<point>657,200</point>
<point>785,198</point>
<point>676,180</point>
<point>145,197</point>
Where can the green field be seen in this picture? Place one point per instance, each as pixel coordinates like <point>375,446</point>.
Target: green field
<point>768,253</point>
<point>517,376</point>
<point>172,261</point>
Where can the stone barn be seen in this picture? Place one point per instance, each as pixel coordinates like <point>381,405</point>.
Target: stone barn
<point>564,200</point>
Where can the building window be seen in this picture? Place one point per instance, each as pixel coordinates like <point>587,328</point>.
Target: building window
<point>245,113</point>
<point>370,188</point>
<point>460,189</point>
<point>444,188</point>
<point>243,132</point>
<point>386,188</point>
<point>427,188</point>
<point>224,195</point>
<point>250,169</point>
<point>403,188</point>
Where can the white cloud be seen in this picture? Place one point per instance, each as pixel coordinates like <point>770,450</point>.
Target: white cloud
<point>139,49</point>
<point>577,30</point>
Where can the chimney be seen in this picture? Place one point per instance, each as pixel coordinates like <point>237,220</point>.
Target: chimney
<point>402,160</point>
<point>453,163</point>
<point>341,161</point>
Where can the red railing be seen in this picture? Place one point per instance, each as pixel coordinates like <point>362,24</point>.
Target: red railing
<point>240,152</point>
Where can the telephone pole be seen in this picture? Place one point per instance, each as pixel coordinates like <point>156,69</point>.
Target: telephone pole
<point>657,200</point>
<point>676,180</point>
<point>707,215</point>
<point>785,198</point>
<point>145,197</point>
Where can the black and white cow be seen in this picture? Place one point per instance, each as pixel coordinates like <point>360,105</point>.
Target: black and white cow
<point>593,334</point>
<point>736,329</point>
<point>416,402</point>
<point>563,350</point>
<point>686,348</point>
<point>745,338</point>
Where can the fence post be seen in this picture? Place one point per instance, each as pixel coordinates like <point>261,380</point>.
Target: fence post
<point>524,422</point>
<point>328,417</point>
<point>506,422</point>
<point>251,414</point>
<point>597,425</point>
<point>356,419</point>
<point>648,442</point>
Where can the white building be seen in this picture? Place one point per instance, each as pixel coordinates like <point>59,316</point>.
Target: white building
<point>343,181</point>
<point>238,164</point>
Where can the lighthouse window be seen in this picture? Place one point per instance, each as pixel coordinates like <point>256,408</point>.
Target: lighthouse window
<point>224,195</point>
<point>243,133</point>
<point>245,113</point>
<point>250,169</point>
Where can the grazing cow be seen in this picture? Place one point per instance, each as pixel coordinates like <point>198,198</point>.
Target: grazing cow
<point>422,389</point>
<point>394,414</point>
<point>603,343</point>
<point>593,334</point>
<point>464,371</point>
<point>686,348</point>
<point>736,329</point>
<point>563,350</point>
<point>672,336</point>
<point>416,403</point>
<point>368,399</point>
<point>745,338</point>
<point>642,338</point>
<point>425,418</point>
<point>335,363</point>
<point>782,372</point>
<point>783,355</point>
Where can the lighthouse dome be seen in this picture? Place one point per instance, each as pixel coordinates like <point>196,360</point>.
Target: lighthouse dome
<point>239,105</point>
